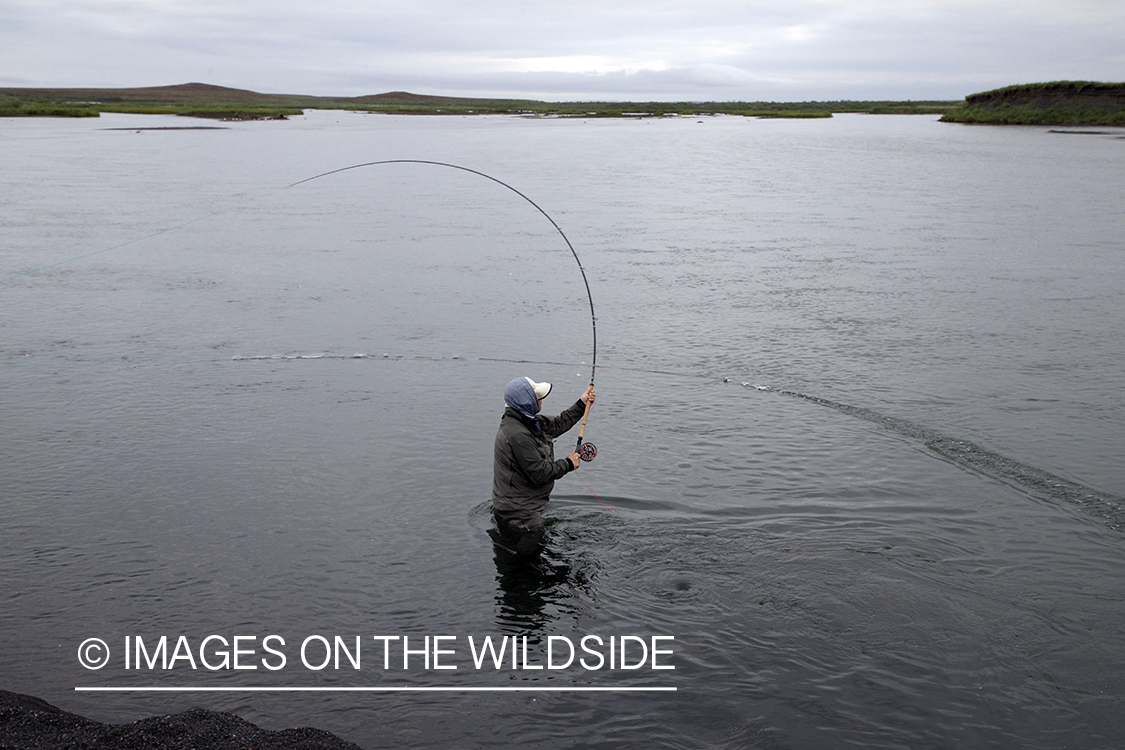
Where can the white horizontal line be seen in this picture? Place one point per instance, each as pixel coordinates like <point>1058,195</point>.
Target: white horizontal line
<point>443,689</point>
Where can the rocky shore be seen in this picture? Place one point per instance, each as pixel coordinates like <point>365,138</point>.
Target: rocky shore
<point>28,723</point>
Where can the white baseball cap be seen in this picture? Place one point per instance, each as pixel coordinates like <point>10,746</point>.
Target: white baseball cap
<point>541,389</point>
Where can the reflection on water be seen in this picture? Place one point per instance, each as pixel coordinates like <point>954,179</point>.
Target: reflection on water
<point>538,576</point>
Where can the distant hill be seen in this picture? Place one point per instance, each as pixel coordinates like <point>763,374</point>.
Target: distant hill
<point>203,93</point>
<point>186,92</point>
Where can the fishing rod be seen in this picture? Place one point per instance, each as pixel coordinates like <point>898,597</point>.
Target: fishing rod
<point>586,451</point>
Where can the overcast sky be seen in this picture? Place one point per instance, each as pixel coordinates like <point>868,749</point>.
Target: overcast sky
<point>706,50</point>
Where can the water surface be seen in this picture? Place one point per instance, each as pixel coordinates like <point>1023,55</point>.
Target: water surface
<point>858,424</point>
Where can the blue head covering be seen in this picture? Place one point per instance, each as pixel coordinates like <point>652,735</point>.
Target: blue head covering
<point>520,395</point>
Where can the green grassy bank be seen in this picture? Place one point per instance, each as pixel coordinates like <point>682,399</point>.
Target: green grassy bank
<point>1054,103</point>
<point>1027,115</point>
<point>217,102</point>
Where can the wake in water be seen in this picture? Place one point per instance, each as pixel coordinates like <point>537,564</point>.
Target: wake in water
<point>1107,508</point>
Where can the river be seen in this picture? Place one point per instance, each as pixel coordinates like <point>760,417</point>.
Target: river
<point>859,425</point>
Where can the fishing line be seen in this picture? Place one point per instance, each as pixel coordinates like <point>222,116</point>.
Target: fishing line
<point>596,496</point>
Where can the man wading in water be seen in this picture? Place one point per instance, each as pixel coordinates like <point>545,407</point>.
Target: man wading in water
<point>525,469</point>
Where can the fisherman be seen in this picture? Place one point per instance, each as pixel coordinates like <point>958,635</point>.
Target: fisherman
<point>525,469</point>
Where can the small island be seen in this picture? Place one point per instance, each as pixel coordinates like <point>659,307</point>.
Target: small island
<point>1055,103</point>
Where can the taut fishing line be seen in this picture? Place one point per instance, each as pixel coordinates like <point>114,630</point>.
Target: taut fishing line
<point>587,451</point>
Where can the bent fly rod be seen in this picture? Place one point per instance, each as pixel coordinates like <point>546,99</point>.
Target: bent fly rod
<point>586,450</point>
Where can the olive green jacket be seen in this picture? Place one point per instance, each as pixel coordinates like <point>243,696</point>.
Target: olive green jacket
<point>525,469</point>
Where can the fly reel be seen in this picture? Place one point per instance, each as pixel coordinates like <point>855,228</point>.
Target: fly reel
<point>586,451</point>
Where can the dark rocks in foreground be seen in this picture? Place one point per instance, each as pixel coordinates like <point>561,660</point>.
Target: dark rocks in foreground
<point>28,723</point>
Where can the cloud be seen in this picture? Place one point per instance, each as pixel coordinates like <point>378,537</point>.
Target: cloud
<point>709,49</point>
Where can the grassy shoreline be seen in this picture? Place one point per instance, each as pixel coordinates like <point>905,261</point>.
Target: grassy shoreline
<point>1053,103</point>
<point>1014,114</point>
<point>216,102</point>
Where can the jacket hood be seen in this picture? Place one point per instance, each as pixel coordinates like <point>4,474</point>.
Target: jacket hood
<point>520,395</point>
